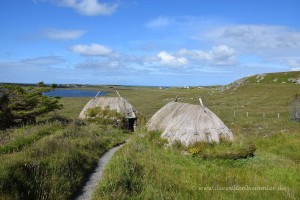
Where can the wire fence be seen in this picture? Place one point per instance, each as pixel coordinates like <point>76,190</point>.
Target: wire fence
<point>253,114</point>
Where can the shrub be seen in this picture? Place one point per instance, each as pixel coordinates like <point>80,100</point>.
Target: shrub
<point>223,150</point>
<point>194,151</point>
<point>177,145</point>
<point>21,105</point>
<point>93,112</point>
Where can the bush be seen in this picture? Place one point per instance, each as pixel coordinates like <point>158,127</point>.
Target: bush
<point>223,150</point>
<point>177,145</point>
<point>21,105</point>
<point>93,112</point>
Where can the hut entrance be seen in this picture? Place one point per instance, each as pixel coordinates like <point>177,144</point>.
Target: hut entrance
<point>131,123</point>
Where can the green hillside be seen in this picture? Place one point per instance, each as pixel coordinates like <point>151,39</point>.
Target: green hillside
<point>274,78</point>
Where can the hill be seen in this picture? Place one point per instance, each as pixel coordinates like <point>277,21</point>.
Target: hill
<point>267,78</point>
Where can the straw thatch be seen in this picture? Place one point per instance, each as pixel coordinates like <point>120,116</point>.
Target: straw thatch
<point>188,124</point>
<point>119,104</point>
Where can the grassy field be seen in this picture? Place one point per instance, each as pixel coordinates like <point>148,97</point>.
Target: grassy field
<point>148,169</point>
<point>49,160</point>
<point>145,169</point>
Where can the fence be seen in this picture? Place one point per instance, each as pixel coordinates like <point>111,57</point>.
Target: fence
<point>252,114</point>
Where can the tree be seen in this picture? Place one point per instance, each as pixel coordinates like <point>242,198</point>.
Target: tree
<point>5,112</point>
<point>295,108</point>
<point>41,84</point>
<point>21,105</point>
<point>54,85</point>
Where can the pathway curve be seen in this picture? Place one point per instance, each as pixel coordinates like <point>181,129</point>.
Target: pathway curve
<point>86,191</point>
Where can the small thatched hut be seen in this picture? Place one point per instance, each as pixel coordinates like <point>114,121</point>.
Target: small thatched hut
<point>118,104</point>
<point>189,124</point>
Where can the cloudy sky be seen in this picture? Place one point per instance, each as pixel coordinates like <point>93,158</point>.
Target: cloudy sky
<point>147,42</point>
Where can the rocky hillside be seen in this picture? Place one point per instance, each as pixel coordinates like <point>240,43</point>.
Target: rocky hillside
<point>268,78</point>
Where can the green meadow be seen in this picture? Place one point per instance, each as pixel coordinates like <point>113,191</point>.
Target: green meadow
<point>50,159</point>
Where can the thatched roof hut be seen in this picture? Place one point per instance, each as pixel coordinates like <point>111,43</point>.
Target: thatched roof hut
<point>118,104</point>
<point>189,124</point>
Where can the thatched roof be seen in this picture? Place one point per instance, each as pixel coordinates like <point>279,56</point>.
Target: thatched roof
<point>119,104</point>
<point>189,124</point>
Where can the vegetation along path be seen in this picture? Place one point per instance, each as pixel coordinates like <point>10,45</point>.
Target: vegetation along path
<point>86,191</point>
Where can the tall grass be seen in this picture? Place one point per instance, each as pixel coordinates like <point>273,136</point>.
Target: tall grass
<point>54,166</point>
<point>147,169</point>
<point>17,139</point>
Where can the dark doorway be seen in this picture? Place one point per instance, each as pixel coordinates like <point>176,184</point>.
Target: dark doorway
<point>131,123</point>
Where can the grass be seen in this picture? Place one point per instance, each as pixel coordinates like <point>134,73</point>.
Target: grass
<point>49,160</point>
<point>16,140</point>
<point>224,150</point>
<point>146,169</point>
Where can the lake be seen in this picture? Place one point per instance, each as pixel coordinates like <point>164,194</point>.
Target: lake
<point>73,93</point>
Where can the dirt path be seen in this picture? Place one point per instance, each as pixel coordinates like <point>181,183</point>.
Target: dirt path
<point>86,191</point>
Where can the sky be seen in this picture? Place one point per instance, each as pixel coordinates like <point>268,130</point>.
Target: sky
<point>147,42</point>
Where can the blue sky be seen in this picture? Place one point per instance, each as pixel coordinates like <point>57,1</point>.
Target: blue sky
<point>142,42</point>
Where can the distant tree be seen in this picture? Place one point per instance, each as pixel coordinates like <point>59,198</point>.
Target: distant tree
<point>295,108</point>
<point>41,84</point>
<point>5,112</point>
<point>53,85</point>
<point>21,105</point>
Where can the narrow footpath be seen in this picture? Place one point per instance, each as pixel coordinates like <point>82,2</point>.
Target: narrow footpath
<point>86,191</point>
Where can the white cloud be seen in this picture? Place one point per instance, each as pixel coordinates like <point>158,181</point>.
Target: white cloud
<point>195,54</point>
<point>291,61</point>
<point>218,55</point>
<point>222,55</point>
<point>159,22</point>
<point>92,50</point>
<point>295,69</point>
<point>167,59</point>
<point>56,34</point>
<point>89,7</point>
<point>271,44</point>
<point>258,39</point>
